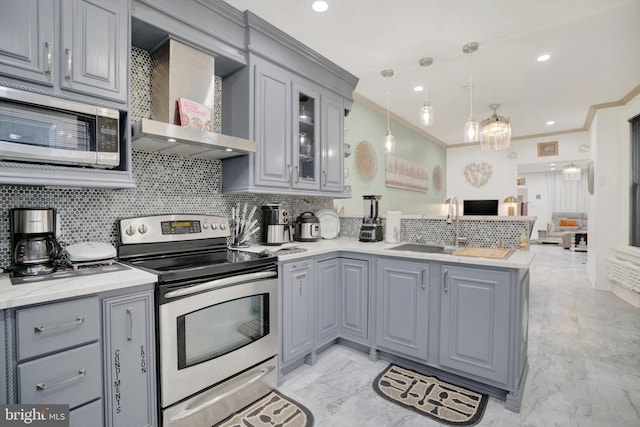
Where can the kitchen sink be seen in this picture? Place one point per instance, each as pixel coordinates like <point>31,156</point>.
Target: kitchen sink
<point>414,247</point>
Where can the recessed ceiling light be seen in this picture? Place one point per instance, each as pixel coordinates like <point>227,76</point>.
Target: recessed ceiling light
<point>320,6</point>
<point>552,168</point>
<point>551,122</point>
<point>418,89</point>
<point>171,140</point>
<point>544,57</point>
<point>552,164</point>
<point>228,149</point>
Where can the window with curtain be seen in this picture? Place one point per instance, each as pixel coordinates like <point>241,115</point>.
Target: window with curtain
<point>634,216</point>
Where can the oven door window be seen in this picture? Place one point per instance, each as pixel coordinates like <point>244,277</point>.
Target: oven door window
<point>219,329</point>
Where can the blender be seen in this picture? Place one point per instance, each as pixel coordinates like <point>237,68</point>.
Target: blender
<point>371,228</point>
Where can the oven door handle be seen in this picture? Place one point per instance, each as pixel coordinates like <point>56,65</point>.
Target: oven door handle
<point>219,283</point>
<point>242,381</point>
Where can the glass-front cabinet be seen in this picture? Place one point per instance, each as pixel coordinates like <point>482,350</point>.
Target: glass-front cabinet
<point>306,147</point>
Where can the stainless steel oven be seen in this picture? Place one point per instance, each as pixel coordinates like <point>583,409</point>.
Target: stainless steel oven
<point>217,329</point>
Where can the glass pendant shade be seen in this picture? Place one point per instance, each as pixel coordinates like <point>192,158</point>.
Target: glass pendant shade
<point>495,132</point>
<point>389,142</point>
<point>471,130</point>
<point>571,172</point>
<point>426,114</point>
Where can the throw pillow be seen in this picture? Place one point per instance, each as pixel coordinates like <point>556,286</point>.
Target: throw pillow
<point>568,222</point>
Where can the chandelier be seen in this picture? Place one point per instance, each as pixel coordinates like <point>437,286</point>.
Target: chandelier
<point>495,131</point>
<point>471,126</point>
<point>571,172</point>
<point>426,112</point>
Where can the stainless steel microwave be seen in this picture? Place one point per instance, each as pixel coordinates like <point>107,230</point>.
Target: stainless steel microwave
<point>40,128</point>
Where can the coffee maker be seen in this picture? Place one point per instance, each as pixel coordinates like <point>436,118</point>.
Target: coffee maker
<point>371,228</point>
<point>34,248</point>
<point>276,227</point>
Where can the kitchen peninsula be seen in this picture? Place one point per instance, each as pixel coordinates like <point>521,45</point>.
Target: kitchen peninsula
<point>464,318</point>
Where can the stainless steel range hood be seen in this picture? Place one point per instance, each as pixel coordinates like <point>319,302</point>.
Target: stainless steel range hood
<point>180,71</point>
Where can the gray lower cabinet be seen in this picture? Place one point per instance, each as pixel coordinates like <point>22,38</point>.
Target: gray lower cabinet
<point>327,285</point>
<point>474,321</point>
<point>402,307</point>
<point>128,336</point>
<point>353,301</point>
<point>297,309</point>
<point>3,361</point>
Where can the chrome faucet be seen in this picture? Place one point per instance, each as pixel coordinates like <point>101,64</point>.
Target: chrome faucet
<point>457,239</point>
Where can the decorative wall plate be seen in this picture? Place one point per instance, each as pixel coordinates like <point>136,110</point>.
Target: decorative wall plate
<point>477,174</point>
<point>437,178</point>
<point>366,161</point>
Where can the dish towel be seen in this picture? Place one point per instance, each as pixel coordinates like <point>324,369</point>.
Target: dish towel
<point>392,228</point>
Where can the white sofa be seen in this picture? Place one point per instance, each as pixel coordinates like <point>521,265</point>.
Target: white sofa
<point>562,227</point>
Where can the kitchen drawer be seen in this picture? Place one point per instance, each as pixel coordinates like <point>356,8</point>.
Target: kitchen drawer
<point>89,415</point>
<point>51,327</point>
<point>72,377</point>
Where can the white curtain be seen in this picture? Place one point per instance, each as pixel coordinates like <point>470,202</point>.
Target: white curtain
<point>567,196</point>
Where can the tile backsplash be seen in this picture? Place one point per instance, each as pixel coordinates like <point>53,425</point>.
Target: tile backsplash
<point>165,184</point>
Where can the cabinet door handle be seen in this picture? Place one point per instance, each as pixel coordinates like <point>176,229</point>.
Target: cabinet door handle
<point>445,278</point>
<point>297,174</point>
<point>47,58</point>
<point>130,317</point>
<point>44,329</point>
<point>289,172</point>
<point>324,175</point>
<point>69,64</point>
<point>306,264</point>
<point>44,386</point>
<point>423,276</point>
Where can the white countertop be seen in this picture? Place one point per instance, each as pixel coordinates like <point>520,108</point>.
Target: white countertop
<point>517,259</point>
<point>32,293</point>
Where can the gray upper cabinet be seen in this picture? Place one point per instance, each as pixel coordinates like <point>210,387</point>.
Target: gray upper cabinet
<point>474,323</point>
<point>94,48</point>
<point>273,122</point>
<point>332,143</point>
<point>354,300</point>
<point>402,307</point>
<point>297,309</point>
<point>129,349</point>
<point>74,45</point>
<point>27,40</point>
<point>327,283</point>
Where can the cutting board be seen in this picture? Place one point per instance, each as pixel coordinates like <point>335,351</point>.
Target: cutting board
<point>483,252</point>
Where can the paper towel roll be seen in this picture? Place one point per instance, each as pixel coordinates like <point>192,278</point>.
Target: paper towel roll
<point>392,228</point>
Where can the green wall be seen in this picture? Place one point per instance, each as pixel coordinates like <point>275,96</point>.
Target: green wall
<point>366,124</point>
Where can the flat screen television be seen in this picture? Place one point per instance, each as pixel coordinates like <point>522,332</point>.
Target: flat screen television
<point>480,207</point>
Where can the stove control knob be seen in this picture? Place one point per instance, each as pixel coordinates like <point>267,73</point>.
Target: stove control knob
<point>130,230</point>
<point>206,225</point>
<point>143,229</point>
<point>214,226</point>
<point>223,226</point>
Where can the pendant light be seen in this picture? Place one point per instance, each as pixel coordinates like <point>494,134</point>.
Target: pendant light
<point>471,127</point>
<point>426,112</point>
<point>495,131</point>
<point>389,141</point>
<point>571,172</point>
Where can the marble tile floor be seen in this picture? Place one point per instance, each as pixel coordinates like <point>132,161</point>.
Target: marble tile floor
<point>584,362</point>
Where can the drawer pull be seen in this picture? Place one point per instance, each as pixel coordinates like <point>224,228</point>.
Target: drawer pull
<point>43,386</point>
<point>130,316</point>
<point>44,329</point>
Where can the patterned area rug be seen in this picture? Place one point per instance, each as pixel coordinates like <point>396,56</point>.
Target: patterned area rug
<point>430,396</point>
<point>272,410</point>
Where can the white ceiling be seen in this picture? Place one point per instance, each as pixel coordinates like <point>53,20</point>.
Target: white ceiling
<point>594,48</point>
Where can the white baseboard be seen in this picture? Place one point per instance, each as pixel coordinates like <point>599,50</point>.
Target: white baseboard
<point>625,294</point>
